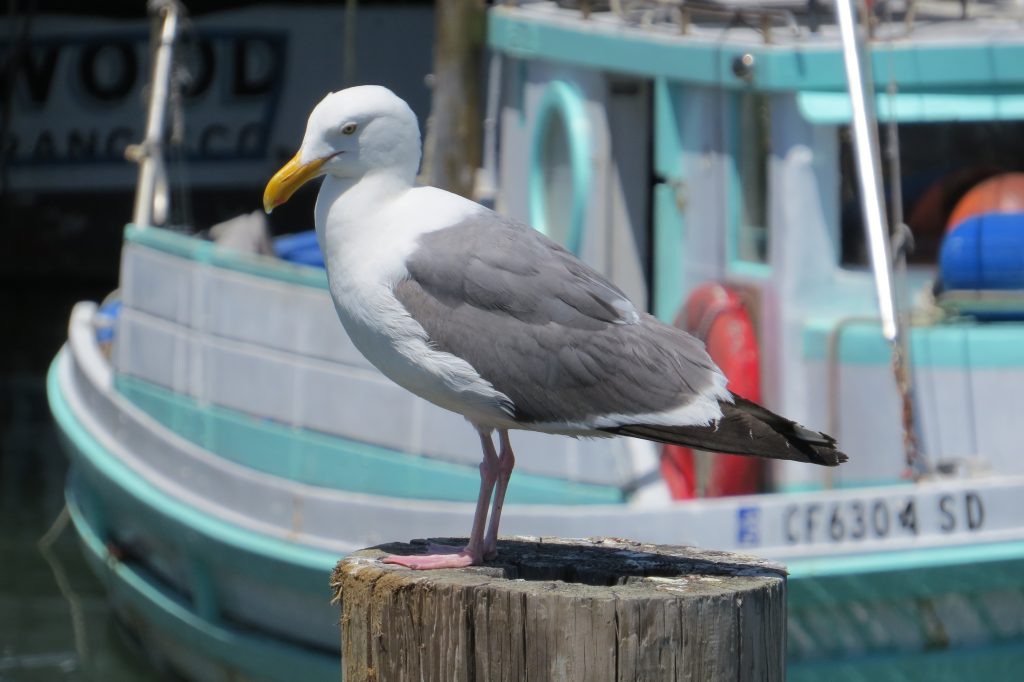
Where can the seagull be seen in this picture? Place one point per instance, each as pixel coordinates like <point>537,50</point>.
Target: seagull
<point>487,317</point>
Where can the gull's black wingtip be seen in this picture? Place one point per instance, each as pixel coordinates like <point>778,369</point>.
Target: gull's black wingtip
<point>746,428</point>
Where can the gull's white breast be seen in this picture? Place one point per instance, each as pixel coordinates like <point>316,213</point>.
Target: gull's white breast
<point>365,250</point>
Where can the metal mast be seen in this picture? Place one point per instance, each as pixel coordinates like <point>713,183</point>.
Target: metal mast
<point>149,154</point>
<point>869,176</point>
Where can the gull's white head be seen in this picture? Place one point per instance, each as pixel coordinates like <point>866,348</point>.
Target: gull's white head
<point>351,133</point>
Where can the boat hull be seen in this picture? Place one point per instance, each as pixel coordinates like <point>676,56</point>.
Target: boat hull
<point>216,591</point>
<point>186,583</point>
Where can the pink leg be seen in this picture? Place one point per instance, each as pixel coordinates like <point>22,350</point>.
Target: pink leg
<point>506,462</point>
<point>473,553</point>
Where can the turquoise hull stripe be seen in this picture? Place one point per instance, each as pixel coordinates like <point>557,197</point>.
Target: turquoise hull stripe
<point>948,569</point>
<point>327,461</point>
<point>204,251</point>
<point>954,346</point>
<point>995,663</point>
<point>913,66</point>
<point>845,484</point>
<point>261,657</point>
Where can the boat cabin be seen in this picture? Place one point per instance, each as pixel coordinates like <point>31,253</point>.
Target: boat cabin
<point>676,147</point>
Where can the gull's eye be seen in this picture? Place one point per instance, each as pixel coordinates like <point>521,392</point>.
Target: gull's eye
<point>348,128</point>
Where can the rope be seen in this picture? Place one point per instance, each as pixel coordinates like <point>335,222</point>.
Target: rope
<point>45,546</point>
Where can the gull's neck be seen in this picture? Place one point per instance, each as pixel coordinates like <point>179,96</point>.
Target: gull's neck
<point>346,204</point>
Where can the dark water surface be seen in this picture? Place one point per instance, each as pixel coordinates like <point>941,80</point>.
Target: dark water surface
<point>54,621</point>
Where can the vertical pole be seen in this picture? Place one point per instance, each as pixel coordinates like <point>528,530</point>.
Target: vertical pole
<point>869,164</point>
<point>351,21</point>
<point>151,161</point>
<point>452,148</point>
<point>869,174</point>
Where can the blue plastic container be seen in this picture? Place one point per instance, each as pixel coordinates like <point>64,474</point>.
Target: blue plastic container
<point>105,321</point>
<point>300,247</point>
<point>984,252</point>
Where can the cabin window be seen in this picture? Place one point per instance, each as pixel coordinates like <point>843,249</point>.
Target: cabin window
<point>753,150</point>
<point>939,163</point>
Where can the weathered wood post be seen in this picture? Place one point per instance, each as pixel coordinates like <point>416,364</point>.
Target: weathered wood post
<point>550,609</point>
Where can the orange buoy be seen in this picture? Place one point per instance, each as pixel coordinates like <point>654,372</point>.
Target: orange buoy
<point>716,314</point>
<point>999,194</point>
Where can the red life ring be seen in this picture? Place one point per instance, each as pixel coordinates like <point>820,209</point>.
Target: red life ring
<point>716,314</point>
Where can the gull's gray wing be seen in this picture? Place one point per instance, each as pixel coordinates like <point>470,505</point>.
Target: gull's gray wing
<point>551,333</point>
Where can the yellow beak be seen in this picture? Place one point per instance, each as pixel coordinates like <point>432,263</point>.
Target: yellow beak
<point>292,176</point>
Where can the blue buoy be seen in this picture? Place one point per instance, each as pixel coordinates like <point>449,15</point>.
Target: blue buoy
<point>984,252</point>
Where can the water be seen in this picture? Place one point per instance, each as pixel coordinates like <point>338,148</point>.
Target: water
<point>55,624</point>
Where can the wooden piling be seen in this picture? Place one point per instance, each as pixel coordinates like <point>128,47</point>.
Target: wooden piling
<point>551,609</point>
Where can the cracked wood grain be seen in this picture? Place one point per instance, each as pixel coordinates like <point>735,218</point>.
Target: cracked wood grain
<point>550,609</point>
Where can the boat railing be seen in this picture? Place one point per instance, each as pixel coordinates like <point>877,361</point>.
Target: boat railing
<point>890,19</point>
<point>685,14</point>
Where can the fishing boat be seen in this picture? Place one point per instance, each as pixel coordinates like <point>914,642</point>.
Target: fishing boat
<point>719,162</point>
